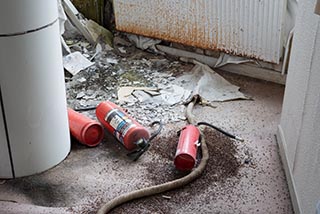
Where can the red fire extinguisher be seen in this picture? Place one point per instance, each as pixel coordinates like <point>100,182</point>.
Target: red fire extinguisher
<point>186,154</point>
<point>129,132</point>
<point>84,129</point>
<point>188,144</point>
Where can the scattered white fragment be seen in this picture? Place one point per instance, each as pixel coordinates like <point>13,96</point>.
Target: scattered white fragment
<point>82,80</point>
<point>80,95</point>
<point>112,61</point>
<point>76,62</point>
<point>122,50</point>
<point>166,197</point>
<point>125,93</point>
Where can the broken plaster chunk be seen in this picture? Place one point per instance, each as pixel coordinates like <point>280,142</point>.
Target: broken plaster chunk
<point>82,80</point>
<point>112,61</point>
<point>90,92</point>
<point>80,95</point>
<point>83,103</point>
<point>171,78</point>
<point>122,50</point>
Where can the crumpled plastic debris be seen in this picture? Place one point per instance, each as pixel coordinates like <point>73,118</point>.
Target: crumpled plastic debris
<point>209,85</point>
<point>144,43</point>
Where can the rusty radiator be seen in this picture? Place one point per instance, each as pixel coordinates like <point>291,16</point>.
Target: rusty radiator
<point>251,28</point>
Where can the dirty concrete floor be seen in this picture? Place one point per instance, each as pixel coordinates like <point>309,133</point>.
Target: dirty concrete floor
<point>240,178</point>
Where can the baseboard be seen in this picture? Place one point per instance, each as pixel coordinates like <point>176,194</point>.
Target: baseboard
<point>247,69</point>
<point>290,180</point>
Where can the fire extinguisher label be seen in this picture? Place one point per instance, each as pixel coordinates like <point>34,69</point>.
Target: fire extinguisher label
<point>120,122</point>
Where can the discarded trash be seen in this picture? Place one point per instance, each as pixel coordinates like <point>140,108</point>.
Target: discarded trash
<point>79,46</point>
<point>142,42</point>
<point>98,51</point>
<point>122,50</point>
<point>112,61</point>
<point>120,41</point>
<point>80,95</point>
<point>169,95</point>
<point>209,85</point>
<point>166,197</point>
<point>126,93</point>
<point>225,59</point>
<point>75,62</point>
<point>82,80</point>
<point>84,129</point>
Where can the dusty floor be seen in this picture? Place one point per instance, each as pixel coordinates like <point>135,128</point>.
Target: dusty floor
<point>240,177</point>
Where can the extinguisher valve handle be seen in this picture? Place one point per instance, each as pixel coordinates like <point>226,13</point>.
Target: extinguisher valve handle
<point>142,143</point>
<point>143,146</point>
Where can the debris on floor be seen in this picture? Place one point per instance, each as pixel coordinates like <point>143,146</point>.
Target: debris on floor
<point>225,59</point>
<point>168,95</point>
<point>142,42</point>
<point>76,62</point>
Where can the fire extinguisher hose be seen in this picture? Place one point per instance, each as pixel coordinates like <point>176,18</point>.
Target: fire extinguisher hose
<point>221,130</point>
<point>153,190</point>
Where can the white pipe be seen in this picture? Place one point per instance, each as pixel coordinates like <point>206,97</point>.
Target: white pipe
<point>287,52</point>
<point>34,134</point>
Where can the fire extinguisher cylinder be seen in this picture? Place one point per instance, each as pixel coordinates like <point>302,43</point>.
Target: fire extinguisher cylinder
<point>84,129</point>
<point>186,153</point>
<point>123,127</point>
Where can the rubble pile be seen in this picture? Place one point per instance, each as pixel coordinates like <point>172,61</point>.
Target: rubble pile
<point>110,72</point>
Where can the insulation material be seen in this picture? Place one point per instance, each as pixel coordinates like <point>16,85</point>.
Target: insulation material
<point>247,28</point>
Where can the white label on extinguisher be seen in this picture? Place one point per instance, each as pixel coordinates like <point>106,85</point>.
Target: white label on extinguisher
<point>116,121</point>
<point>120,122</point>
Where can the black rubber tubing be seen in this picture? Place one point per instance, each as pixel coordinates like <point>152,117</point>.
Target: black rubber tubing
<point>220,130</point>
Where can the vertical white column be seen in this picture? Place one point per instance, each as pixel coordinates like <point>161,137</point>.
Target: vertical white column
<point>300,122</point>
<point>33,90</point>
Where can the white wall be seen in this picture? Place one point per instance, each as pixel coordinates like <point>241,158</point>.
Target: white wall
<point>300,123</point>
